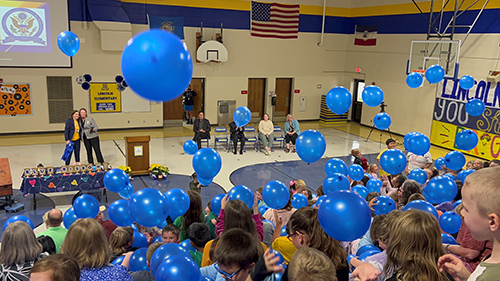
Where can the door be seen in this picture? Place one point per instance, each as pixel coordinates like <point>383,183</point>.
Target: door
<point>256,96</point>
<point>283,97</point>
<point>174,110</point>
<point>357,103</point>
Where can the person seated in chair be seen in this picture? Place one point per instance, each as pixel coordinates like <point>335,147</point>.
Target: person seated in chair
<point>201,129</point>
<point>237,133</point>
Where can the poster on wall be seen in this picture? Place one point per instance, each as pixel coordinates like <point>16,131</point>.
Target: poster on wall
<point>104,98</point>
<point>15,99</point>
<point>450,117</point>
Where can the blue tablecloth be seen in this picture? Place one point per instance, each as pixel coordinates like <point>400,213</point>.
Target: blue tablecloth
<point>60,183</point>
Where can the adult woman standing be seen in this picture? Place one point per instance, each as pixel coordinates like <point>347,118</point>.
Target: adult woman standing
<point>266,129</point>
<point>90,137</point>
<point>72,134</point>
<point>292,132</point>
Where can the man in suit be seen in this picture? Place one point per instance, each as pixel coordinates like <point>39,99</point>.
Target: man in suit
<point>237,133</point>
<point>201,129</point>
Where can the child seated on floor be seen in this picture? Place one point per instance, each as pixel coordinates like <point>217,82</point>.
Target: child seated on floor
<point>198,234</point>
<point>120,241</point>
<point>195,185</point>
<point>311,264</point>
<point>210,219</point>
<point>171,234</point>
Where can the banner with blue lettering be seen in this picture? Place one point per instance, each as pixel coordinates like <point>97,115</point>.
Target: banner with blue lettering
<point>450,117</point>
<point>172,25</point>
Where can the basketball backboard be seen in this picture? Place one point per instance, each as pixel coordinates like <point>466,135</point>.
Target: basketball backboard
<point>426,53</point>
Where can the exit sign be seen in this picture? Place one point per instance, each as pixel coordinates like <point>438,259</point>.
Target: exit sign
<point>297,91</point>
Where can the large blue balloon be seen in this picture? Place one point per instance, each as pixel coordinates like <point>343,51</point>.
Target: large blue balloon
<point>418,144</point>
<point>127,192</point>
<point>283,231</point>
<point>320,200</point>
<point>216,203</point>
<point>140,240</point>
<point>190,147</point>
<point>148,207</point>
<point>361,190</point>
<point>69,43</point>
<point>276,195</point>
<point>466,140</point>
<point>242,116</point>
<point>207,163</point>
<point>311,146</point>
<point>366,254</point>
<point>393,161</point>
<point>344,215</point>
<point>414,80</point>
<point>462,175</point>
<point>336,165</point>
<point>299,200</point>
<point>69,217</point>
<point>86,206</point>
<point>423,206</point>
<point>382,121</point>
<point>339,100</point>
<point>18,218</point>
<point>164,252</point>
<point>457,203</point>
<point>466,82</point>
<point>356,172</point>
<point>119,214</point>
<point>475,107</point>
<point>178,202</point>
<point>418,175</point>
<point>138,260</point>
<point>372,95</point>
<point>206,278</point>
<point>279,255</point>
<point>374,185</point>
<point>118,260</point>
<point>385,205</point>
<point>205,182</point>
<point>178,268</point>
<point>335,182</point>
<point>450,222</point>
<point>116,180</point>
<point>407,138</point>
<point>243,193</point>
<point>186,244</point>
<point>448,239</point>
<point>366,248</point>
<point>439,163</point>
<point>440,189</point>
<point>157,239</point>
<point>434,74</point>
<point>454,160</point>
<point>157,65</point>
<point>263,209</point>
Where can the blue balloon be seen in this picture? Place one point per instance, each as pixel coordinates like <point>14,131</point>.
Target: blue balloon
<point>339,100</point>
<point>374,185</point>
<point>382,121</point>
<point>118,260</point>
<point>366,254</point>
<point>69,43</point>
<point>148,207</point>
<point>356,172</point>
<point>119,214</point>
<point>423,206</point>
<point>320,200</point>
<point>393,161</point>
<point>336,165</point>
<point>454,160</point>
<point>268,221</point>
<point>450,222</point>
<point>69,217</point>
<point>439,163</point>
<point>138,260</point>
<point>369,176</point>
<point>366,248</point>
<point>462,175</point>
<point>205,182</point>
<point>475,107</point>
<point>116,180</point>
<point>276,195</point>
<point>360,190</point>
<point>372,95</point>
<point>434,74</point>
<point>299,200</point>
<point>178,202</point>
<point>178,268</point>
<point>440,189</point>
<point>207,163</point>
<point>466,82</point>
<point>407,138</point>
<point>18,218</point>
<point>242,116</point>
<point>164,252</point>
<point>243,193</point>
<point>344,215</point>
<point>186,244</point>
<point>86,206</point>
<point>335,182</point>
<point>414,80</point>
<point>157,65</point>
<point>157,239</point>
<point>457,203</point>
<point>418,175</point>
<point>127,192</point>
<point>385,205</point>
<point>280,256</point>
<point>418,144</point>
<point>206,278</point>
<point>140,240</point>
<point>311,146</point>
<point>263,209</point>
<point>162,224</point>
<point>190,147</point>
<point>283,231</point>
<point>216,203</point>
<point>448,239</point>
<point>466,140</point>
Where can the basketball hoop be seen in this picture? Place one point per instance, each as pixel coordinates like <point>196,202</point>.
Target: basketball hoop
<point>421,71</point>
<point>215,61</point>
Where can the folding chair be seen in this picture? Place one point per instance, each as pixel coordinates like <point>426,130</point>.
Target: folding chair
<point>221,138</point>
<point>251,137</point>
<point>279,138</point>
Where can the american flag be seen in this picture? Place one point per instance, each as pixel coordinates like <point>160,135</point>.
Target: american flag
<point>274,20</point>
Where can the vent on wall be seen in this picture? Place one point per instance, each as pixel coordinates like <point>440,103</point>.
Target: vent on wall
<point>60,97</point>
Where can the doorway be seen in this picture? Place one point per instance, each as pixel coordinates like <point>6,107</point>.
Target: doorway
<point>256,97</point>
<point>357,103</point>
<point>283,98</point>
<point>173,111</point>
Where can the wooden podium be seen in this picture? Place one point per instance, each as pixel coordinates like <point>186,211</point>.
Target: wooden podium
<point>138,154</point>
<point>5,180</point>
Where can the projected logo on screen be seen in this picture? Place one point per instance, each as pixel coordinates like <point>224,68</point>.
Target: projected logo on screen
<point>24,29</point>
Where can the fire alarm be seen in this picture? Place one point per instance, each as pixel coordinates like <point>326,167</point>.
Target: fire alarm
<point>358,69</point>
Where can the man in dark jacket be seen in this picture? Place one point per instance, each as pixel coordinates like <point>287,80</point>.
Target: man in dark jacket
<point>201,129</point>
<point>237,133</point>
